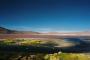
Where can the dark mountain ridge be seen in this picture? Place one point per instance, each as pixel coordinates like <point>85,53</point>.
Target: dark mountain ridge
<point>8,31</point>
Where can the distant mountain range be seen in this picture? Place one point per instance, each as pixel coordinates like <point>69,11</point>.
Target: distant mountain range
<point>8,31</point>
<point>84,33</point>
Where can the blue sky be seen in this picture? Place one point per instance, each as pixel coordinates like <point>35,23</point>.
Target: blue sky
<point>45,15</point>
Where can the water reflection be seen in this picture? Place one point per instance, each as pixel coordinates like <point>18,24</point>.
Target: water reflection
<point>74,40</point>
